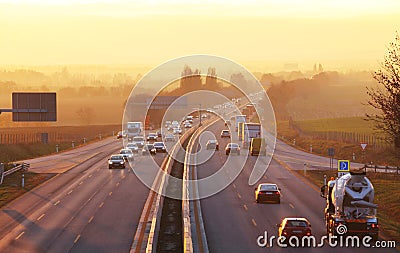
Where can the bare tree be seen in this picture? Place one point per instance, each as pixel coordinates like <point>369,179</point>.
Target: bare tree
<point>386,96</point>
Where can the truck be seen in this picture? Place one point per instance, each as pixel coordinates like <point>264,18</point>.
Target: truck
<point>134,129</point>
<point>240,132</point>
<point>258,146</point>
<point>239,118</point>
<point>350,207</point>
<point>250,131</point>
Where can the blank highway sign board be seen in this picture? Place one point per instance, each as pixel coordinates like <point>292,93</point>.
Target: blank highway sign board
<point>29,106</point>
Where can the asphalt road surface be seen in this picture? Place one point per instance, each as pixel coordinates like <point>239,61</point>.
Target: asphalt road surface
<point>86,208</point>
<point>233,220</point>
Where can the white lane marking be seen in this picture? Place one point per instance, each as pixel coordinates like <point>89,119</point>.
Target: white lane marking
<point>77,238</point>
<point>117,184</point>
<point>40,217</point>
<point>69,192</point>
<point>91,218</point>
<point>90,175</point>
<point>254,222</point>
<point>234,186</point>
<point>102,204</point>
<point>110,194</point>
<point>245,207</point>
<point>81,183</point>
<point>23,232</point>
<point>292,206</point>
<point>58,202</point>
<point>265,177</point>
<point>240,196</point>
<point>123,176</point>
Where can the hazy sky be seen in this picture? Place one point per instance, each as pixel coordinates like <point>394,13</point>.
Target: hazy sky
<point>339,33</point>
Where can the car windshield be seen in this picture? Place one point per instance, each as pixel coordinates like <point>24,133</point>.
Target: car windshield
<point>296,223</point>
<point>138,138</point>
<point>212,141</point>
<point>268,188</point>
<point>131,145</point>
<point>116,157</point>
<point>225,132</point>
<point>159,144</point>
<point>233,145</point>
<point>125,151</point>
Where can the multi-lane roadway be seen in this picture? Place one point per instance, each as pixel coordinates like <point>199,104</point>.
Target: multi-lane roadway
<point>84,208</point>
<point>233,221</point>
<point>88,208</point>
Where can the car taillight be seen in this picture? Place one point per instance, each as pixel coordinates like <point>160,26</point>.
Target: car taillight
<point>277,193</point>
<point>308,232</point>
<point>284,232</point>
<point>373,225</point>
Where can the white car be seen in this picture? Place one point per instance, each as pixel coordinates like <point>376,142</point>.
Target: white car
<point>126,153</point>
<point>177,130</point>
<point>187,125</point>
<point>133,146</point>
<point>169,137</point>
<point>138,140</point>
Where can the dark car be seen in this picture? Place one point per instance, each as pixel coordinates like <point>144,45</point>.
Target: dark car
<point>149,149</point>
<point>212,144</point>
<point>160,147</point>
<point>225,134</point>
<point>119,135</point>
<point>116,161</point>
<point>298,227</point>
<point>267,192</point>
<point>232,148</point>
<point>152,137</point>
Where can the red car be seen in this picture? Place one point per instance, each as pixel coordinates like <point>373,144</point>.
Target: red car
<point>267,192</point>
<point>298,227</point>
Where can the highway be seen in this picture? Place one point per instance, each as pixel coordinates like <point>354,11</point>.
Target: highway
<point>232,219</point>
<point>86,208</point>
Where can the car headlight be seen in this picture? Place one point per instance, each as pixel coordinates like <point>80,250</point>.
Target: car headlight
<point>109,162</point>
<point>121,162</point>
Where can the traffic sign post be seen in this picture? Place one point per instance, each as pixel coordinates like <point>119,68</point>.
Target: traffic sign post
<point>30,106</point>
<point>1,172</point>
<point>331,153</point>
<point>343,167</point>
<point>363,146</point>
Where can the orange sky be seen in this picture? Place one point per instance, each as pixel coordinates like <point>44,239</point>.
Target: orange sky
<point>339,34</point>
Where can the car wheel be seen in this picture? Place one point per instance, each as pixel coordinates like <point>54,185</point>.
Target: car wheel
<point>279,201</point>
<point>109,167</point>
<point>257,200</point>
<point>227,153</point>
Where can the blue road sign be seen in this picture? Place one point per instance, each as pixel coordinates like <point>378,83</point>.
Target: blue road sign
<point>343,166</point>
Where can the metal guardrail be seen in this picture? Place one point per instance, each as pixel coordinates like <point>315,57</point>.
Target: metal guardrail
<point>21,166</point>
<point>386,169</point>
<point>146,236</point>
